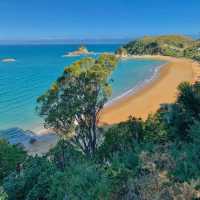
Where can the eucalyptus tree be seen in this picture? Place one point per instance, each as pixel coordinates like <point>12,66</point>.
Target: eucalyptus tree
<point>72,106</point>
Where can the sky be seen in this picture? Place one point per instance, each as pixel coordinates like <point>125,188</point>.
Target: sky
<point>55,19</point>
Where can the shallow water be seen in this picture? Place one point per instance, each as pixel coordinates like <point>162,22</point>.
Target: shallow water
<point>35,69</point>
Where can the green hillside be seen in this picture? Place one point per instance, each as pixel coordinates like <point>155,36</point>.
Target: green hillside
<point>167,45</point>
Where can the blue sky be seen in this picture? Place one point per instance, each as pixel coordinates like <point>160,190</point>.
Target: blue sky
<point>41,19</point>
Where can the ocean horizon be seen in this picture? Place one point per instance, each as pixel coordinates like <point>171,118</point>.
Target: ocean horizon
<point>38,66</point>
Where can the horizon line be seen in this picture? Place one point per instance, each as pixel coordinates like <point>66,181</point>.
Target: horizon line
<point>92,40</point>
<point>64,40</point>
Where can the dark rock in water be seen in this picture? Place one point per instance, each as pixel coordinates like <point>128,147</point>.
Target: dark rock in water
<point>29,140</point>
<point>19,137</point>
<point>32,140</point>
<point>16,136</point>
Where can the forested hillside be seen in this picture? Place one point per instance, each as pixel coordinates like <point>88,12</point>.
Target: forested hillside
<point>167,45</point>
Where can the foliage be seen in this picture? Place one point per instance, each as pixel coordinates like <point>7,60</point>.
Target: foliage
<point>151,182</point>
<point>193,51</point>
<point>171,51</point>
<point>3,195</point>
<point>121,138</point>
<point>174,120</point>
<point>10,158</point>
<point>41,178</point>
<point>187,162</point>
<point>64,154</point>
<point>186,156</point>
<point>32,182</point>
<point>82,181</point>
<point>189,98</point>
<point>140,47</point>
<point>194,132</point>
<point>155,128</point>
<point>121,51</point>
<point>73,104</point>
<point>167,45</point>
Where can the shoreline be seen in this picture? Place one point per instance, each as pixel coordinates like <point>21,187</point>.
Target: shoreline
<point>129,92</point>
<point>162,89</point>
<point>139,86</point>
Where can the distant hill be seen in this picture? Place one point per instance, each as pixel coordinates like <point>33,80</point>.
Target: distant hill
<point>168,45</point>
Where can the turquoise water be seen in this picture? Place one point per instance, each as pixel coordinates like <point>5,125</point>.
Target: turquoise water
<point>35,69</point>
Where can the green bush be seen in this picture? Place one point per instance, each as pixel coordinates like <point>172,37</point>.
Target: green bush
<point>155,129</point>
<point>11,157</point>
<point>33,182</point>
<point>81,181</point>
<point>3,195</point>
<point>187,161</point>
<point>171,51</point>
<point>194,132</point>
<point>121,138</point>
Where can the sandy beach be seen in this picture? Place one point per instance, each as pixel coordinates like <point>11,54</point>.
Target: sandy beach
<point>163,89</point>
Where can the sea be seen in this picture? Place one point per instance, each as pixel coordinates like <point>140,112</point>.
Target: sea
<point>36,67</point>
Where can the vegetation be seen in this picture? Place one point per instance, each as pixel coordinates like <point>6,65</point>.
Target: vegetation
<point>10,158</point>
<point>193,51</point>
<point>134,160</point>
<point>73,104</point>
<point>167,45</point>
<point>121,52</point>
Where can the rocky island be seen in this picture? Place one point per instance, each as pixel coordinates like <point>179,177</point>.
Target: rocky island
<point>81,51</point>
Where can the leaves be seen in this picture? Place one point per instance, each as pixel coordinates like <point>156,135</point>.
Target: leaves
<point>10,157</point>
<point>74,102</point>
<point>167,45</point>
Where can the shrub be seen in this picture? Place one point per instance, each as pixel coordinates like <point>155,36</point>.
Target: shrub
<point>82,181</point>
<point>187,163</point>
<point>3,195</point>
<point>121,138</point>
<point>11,157</point>
<point>32,182</point>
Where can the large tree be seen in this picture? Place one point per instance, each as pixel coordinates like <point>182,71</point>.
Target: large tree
<point>72,105</point>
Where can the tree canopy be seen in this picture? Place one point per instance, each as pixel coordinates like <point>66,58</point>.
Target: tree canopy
<point>10,158</point>
<point>73,104</point>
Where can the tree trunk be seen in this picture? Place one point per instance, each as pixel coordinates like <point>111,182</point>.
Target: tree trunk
<point>94,135</point>
<point>63,155</point>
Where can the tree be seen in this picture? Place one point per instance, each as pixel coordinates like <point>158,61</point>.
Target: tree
<point>155,129</point>
<point>121,138</point>
<point>33,183</point>
<point>83,180</point>
<point>73,104</point>
<point>10,158</point>
<point>189,98</point>
<point>178,117</point>
<point>194,132</point>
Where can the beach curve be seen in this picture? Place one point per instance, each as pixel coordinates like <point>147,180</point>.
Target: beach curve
<point>163,89</point>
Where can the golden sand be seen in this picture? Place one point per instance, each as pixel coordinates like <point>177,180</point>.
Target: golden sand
<point>161,90</point>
